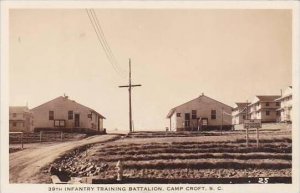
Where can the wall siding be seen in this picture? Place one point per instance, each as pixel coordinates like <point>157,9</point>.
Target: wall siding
<point>61,107</point>
<point>203,105</point>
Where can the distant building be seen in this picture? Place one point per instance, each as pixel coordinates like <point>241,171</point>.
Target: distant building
<point>239,113</point>
<point>200,114</point>
<point>286,105</point>
<point>66,115</point>
<point>264,108</point>
<point>20,119</point>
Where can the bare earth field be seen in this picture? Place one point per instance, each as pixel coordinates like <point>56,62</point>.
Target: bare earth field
<point>159,155</point>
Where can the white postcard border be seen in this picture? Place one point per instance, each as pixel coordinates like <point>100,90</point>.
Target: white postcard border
<point>236,188</point>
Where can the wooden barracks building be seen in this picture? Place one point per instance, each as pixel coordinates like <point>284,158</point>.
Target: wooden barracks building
<point>67,115</point>
<point>20,119</point>
<point>202,113</point>
<point>240,113</point>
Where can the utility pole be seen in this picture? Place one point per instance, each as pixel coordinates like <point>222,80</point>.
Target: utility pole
<point>247,109</point>
<point>129,86</point>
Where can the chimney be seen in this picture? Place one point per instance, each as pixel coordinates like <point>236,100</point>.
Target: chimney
<point>65,96</point>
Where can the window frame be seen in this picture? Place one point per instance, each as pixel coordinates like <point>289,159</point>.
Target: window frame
<point>213,114</point>
<point>59,123</point>
<point>51,115</point>
<point>70,115</point>
<point>194,114</point>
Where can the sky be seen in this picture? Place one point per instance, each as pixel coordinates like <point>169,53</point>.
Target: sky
<point>177,54</point>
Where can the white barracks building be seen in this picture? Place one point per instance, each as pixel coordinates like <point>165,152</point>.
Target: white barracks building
<point>286,105</point>
<point>202,113</point>
<point>66,115</point>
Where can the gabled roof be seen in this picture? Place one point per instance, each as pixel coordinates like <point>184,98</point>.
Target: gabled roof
<point>264,98</point>
<point>171,112</point>
<point>241,105</point>
<point>67,99</point>
<point>267,98</point>
<point>286,93</point>
<point>18,109</point>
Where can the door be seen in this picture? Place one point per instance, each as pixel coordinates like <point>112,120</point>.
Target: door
<point>77,120</point>
<point>204,123</point>
<point>187,118</point>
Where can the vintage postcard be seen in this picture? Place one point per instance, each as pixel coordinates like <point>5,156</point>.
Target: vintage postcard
<point>154,96</point>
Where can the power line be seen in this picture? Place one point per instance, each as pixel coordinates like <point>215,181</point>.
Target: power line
<point>102,43</point>
<point>105,44</point>
<point>104,40</point>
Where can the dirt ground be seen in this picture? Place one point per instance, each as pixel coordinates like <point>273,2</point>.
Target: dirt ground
<point>158,155</point>
<point>25,165</point>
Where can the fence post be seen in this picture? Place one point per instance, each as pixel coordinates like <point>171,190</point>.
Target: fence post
<point>41,132</point>
<point>257,137</point>
<point>61,136</point>
<point>22,140</point>
<point>247,137</point>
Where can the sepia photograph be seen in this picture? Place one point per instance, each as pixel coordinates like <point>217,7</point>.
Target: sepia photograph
<point>141,97</point>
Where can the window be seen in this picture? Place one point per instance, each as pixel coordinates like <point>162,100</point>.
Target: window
<point>59,123</point>
<point>51,115</point>
<point>90,116</point>
<point>14,124</point>
<point>178,115</point>
<point>244,116</point>
<point>277,103</point>
<point>14,114</point>
<point>267,104</point>
<point>213,114</point>
<point>70,115</point>
<point>194,114</point>
<point>277,113</point>
<point>267,113</point>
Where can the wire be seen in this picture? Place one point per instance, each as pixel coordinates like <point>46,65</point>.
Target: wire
<point>102,43</point>
<point>104,40</point>
<point>106,46</point>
